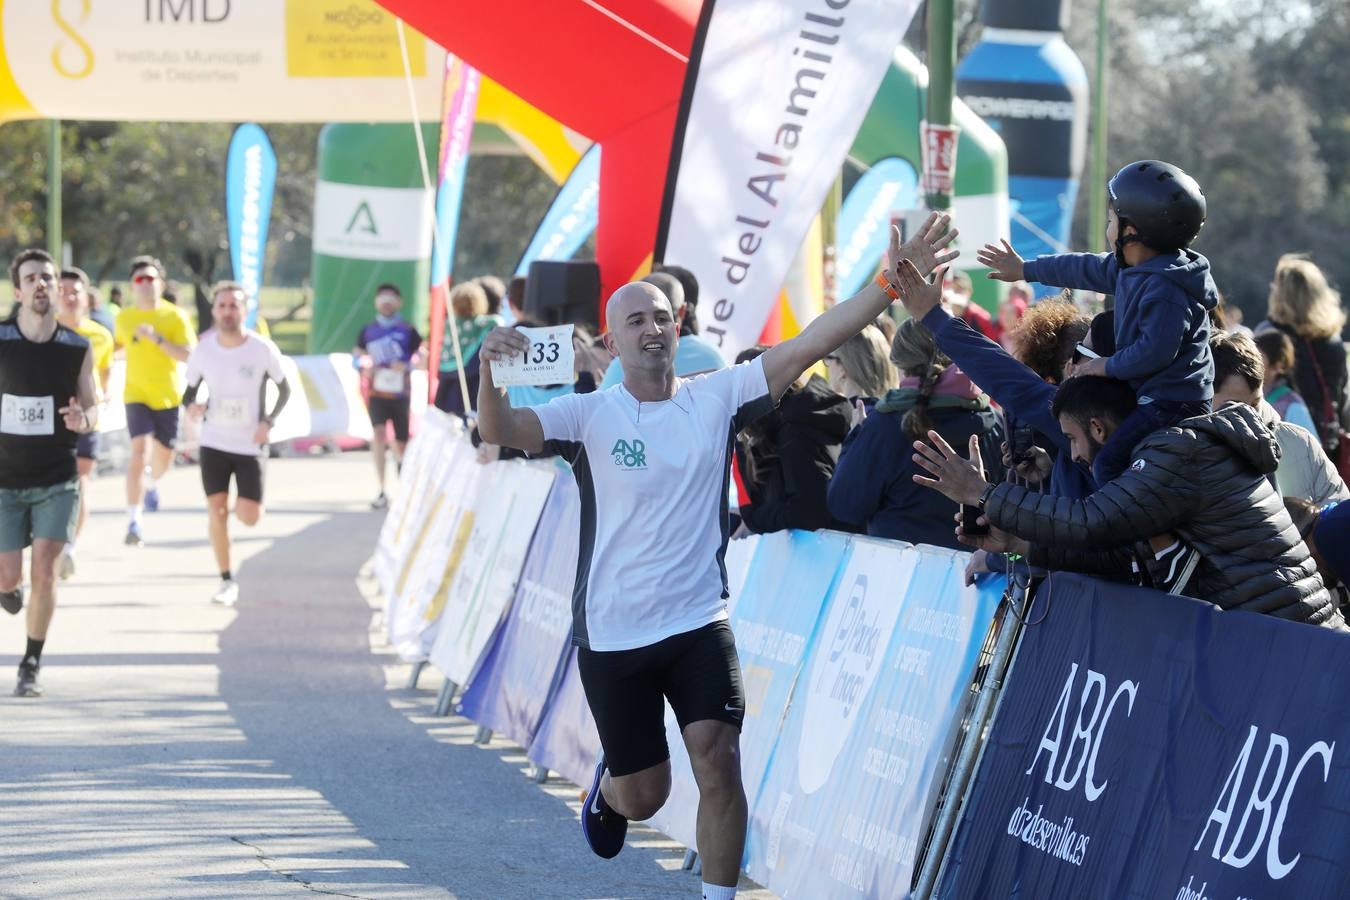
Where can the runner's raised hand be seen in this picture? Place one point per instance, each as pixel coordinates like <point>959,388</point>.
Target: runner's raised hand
<point>928,249</point>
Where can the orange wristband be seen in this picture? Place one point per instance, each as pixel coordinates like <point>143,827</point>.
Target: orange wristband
<point>887,287</point>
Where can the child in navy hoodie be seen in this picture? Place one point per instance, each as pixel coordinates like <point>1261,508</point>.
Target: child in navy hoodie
<point>1163,297</point>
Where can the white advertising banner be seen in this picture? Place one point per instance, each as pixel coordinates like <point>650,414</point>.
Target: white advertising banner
<point>474,601</point>
<point>213,60</point>
<point>428,452</point>
<point>357,221</point>
<point>780,90</point>
<point>438,546</point>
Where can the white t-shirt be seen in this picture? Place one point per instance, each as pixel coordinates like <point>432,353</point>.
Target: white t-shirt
<point>653,480</point>
<point>236,381</point>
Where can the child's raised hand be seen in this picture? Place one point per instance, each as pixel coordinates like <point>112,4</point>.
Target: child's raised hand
<point>1005,262</point>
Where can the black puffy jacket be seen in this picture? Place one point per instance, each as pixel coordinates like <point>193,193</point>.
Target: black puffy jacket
<point>786,459</point>
<point>1207,481</point>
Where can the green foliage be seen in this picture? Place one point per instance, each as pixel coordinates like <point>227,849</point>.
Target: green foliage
<point>504,199</point>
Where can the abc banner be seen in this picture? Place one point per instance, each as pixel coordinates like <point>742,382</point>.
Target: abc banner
<point>841,809</point>
<point>1154,746</point>
<point>773,98</point>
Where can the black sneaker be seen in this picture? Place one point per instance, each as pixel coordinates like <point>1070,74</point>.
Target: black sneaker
<point>12,601</point>
<point>604,829</point>
<point>28,680</point>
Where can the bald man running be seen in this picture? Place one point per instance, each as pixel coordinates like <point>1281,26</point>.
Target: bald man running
<point>651,457</point>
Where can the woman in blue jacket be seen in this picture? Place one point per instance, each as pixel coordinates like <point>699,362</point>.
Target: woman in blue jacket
<point>873,485</point>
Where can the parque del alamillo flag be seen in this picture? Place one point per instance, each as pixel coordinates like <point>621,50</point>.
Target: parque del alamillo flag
<point>250,176</point>
<point>459,105</point>
<point>775,93</point>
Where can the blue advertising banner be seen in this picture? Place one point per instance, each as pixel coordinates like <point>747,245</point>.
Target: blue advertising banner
<point>773,615</point>
<point>572,217</point>
<point>865,218</point>
<point>566,741</point>
<point>515,680</point>
<point>250,177</point>
<point>1153,746</point>
<point>842,806</point>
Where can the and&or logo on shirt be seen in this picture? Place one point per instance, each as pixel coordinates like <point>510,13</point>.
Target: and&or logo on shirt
<point>630,455</point>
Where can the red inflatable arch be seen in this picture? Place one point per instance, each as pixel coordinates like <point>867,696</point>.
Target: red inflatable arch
<point>612,70</point>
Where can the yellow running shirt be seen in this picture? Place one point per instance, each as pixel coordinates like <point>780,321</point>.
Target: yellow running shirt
<point>101,340</point>
<point>154,378</point>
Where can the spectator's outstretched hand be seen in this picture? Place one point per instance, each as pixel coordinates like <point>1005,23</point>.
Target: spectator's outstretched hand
<point>928,249</point>
<point>957,479</point>
<point>918,294</point>
<point>1005,262</point>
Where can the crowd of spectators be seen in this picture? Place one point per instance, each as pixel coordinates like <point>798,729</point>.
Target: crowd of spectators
<point>1228,444</point>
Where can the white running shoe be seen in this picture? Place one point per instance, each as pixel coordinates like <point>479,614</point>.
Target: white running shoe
<point>227,593</point>
<point>66,567</point>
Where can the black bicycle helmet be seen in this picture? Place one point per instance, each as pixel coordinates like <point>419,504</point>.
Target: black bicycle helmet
<point>1163,203</point>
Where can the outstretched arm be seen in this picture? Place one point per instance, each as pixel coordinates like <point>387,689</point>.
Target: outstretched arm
<point>788,360</point>
<point>498,422</point>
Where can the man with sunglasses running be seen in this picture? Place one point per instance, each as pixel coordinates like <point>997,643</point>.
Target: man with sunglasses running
<point>651,457</point>
<point>157,337</point>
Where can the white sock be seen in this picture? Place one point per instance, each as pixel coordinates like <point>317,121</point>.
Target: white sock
<point>70,549</point>
<point>134,514</point>
<point>149,483</point>
<point>718,892</point>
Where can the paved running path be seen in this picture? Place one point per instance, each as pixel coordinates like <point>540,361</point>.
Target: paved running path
<point>271,750</point>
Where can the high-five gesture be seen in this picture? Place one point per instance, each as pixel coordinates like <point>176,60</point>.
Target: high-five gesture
<point>1005,262</point>
<point>917,293</point>
<point>927,250</point>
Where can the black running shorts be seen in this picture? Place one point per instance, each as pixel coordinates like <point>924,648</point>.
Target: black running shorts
<point>390,409</point>
<point>698,672</point>
<point>218,467</point>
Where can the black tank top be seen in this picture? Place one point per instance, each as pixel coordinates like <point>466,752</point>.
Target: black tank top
<point>36,380</point>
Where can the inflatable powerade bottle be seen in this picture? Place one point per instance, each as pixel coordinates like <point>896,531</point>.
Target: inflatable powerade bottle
<point>1026,82</point>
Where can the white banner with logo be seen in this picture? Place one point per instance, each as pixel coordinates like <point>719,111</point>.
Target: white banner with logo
<point>357,221</point>
<point>213,60</point>
<point>509,502</point>
<point>779,91</point>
